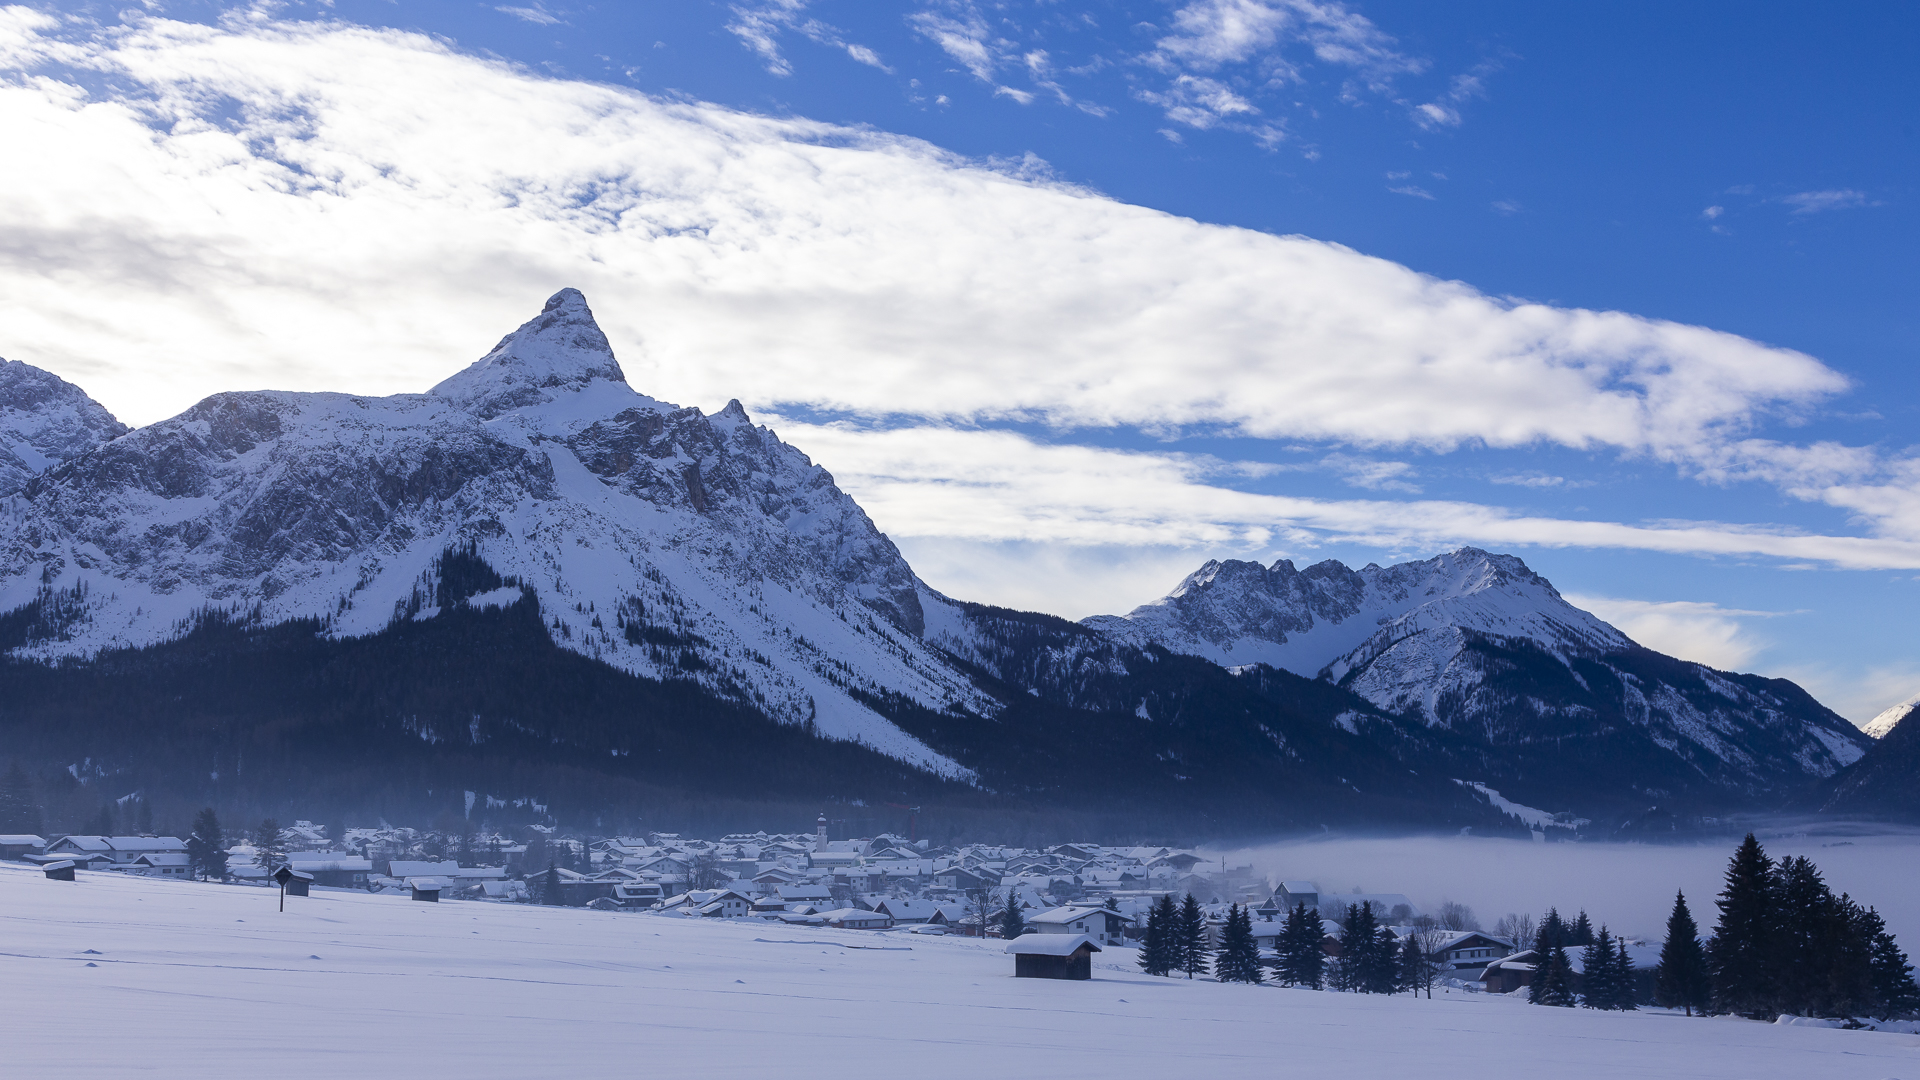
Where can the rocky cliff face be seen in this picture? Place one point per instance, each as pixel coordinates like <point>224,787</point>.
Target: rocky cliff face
<point>45,420</point>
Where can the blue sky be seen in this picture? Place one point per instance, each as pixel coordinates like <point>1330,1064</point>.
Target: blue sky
<point>1745,168</point>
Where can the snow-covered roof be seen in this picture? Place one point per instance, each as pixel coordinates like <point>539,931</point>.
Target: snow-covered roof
<point>21,840</point>
<point>1072,913</point>
<point>1050,944</point>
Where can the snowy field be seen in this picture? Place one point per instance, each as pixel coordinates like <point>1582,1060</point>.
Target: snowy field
<point>107,976</point>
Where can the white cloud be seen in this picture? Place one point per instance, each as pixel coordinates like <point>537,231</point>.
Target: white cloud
<point>1198,102</point>
<point>759,26</point>
<point>1855,694</point>
<point>1712,212</point>
<point>537,13</point>
<point>990,486</point>
<point>1691,630</point>
<point>1814,202</point>
<point>1410,189</point>
<point>202,216</point>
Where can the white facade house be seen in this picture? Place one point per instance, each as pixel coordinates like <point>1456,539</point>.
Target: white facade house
<point>1098,923</point>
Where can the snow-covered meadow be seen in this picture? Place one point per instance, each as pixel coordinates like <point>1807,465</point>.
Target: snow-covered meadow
<point>108,976</point>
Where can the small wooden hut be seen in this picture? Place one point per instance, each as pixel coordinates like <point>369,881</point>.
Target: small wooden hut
<point>1052,956</point>
<point>294,882</point>
<point>426,889</point>
<point>59,871</point>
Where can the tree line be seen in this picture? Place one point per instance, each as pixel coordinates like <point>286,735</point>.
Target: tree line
<point>1785,944</point>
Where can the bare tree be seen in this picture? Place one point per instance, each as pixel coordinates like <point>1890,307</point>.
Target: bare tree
<point>1518,929</point>
<point>1457,916</point>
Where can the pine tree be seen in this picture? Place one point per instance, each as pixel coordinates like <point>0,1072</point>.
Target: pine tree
<point>100,824</point>
<point>550,886</point>
<point>1607,983</point>
<point>1190,937</point>
<point>1894,993</point>
<point>1629,999</point>
<point>1416,967</point>
<point>1682,981</point>
<point>1239,956</point>
<point>19,807</point>
<point>1580,934</point>
<point>1157,953</point>
<point>1805,935</point>
<point>267,852</point>
<point>207,847</point>
<point>1551,936</point>
<point>1302,961</point>
<point>1012,922</point>
<point>1740,957</point>
<point>1553,976</point>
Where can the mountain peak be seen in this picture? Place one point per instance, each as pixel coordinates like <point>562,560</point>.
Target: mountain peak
<point>558,350</point>
<point>45,420</point>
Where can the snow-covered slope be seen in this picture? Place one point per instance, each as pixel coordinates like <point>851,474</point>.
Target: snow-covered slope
<point>45,420</point>
<point>1883,723</point>
<point>1479,644</point>
<point>658,539</point>
<point>1306,620</point>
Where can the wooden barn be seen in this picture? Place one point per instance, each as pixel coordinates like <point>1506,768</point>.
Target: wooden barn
<point>427,888</point>
<point>59,871</point>
<point>1052,956</point>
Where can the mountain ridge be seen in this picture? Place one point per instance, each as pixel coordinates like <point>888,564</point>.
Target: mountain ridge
<point>702,552</point>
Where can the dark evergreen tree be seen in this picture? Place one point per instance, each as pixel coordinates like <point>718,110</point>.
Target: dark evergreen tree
<point>1302,960</point>
<point>143,817</point>
<point>1740,957</point>
<point>267,851</point>
<point>19,805</point>
<point>1550,937</point>
<point>550,886</point>
<point>207,846</point>
<point>1805,933</point>
<point>1239,957</point>
<point>1629,1000</point>
<point>1191,937</point>
<point>1013,922</point>
<point>1553,978</point>
<point>1682,981</point>
<point>1894,993</point>
<point>1606,982</point>
<point>1580,934</point>
<point>1157,953</point>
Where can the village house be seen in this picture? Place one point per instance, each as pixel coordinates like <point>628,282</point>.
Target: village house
<point>119,851</point>
<point>1469,951</point>
<point>332,868</point>
<point>1101,925</point>
<point>20,845</point>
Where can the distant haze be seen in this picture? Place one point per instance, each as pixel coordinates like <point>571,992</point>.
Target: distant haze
<point>1627,886</point>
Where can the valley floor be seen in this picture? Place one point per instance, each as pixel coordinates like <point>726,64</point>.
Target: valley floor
<point>109,976</point>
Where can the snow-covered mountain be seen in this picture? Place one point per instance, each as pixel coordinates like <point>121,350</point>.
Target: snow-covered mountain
<point>1891,717</point>
<point>569,532</point>
<point>1478,644</point>
<point>45,420</point>
<point>658,539</point>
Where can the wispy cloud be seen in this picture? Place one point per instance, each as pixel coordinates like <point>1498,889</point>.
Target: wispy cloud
<point>535,13</point>
<point>760,26</point>
<point>1815,202</point>
<point>1444,111</point>
<point>1703,632</point>
<point>1410,189</point>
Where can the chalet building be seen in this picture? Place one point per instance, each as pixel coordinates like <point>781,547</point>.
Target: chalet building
<point>1099,924</point>
<point>163,864</point>
<point>1052,956</point>
<point>1470,951</point>
<point>20,845</point>
<point>1292,894</point>
<point>911,912</point>
<point>120,851</point>
<point>851,918</point>
<point>333,868</point>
